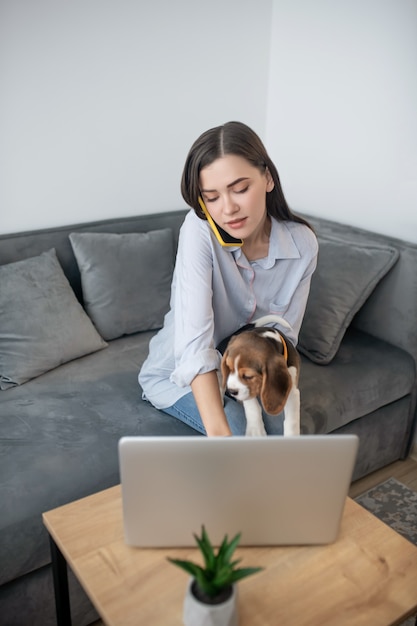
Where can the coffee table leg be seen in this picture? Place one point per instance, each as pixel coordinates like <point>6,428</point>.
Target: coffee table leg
<point>60,576</point>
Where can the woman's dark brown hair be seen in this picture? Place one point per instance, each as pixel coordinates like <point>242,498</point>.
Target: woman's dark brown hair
<point>238,139</point>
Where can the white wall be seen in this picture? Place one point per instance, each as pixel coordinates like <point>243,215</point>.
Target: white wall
<point>101,100</point>
<point>342,110</point>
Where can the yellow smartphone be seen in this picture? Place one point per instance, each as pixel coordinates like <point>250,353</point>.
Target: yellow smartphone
<point>222,236</point>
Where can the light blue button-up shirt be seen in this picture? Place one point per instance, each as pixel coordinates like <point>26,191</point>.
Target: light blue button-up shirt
<point>215,291</point>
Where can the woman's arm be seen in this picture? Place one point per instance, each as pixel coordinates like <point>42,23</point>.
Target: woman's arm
<point>206,392</point>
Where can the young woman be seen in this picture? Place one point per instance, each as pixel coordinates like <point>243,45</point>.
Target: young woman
<point>217,290</point>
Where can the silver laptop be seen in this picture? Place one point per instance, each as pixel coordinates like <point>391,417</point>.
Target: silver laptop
<point>274,490</point>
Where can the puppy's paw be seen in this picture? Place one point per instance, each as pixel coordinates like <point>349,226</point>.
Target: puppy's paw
<point>255,430</point>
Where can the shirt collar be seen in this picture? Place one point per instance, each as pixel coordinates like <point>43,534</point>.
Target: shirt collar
<point>281,245</point>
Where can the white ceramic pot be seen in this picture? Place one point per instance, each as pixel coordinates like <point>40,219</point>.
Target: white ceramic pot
<point>198,613</point>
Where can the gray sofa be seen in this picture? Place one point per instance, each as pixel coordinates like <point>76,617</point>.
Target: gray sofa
<point>76,394</point>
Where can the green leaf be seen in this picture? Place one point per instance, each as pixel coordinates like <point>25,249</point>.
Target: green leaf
<point>226,549</point>
<point>243,572</point>
<point>188,566</point>
<point>206,549</point>
<point>224,577</point>
<point>223,548</point>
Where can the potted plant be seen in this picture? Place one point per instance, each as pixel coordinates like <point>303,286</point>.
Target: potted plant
<point>211,595</point>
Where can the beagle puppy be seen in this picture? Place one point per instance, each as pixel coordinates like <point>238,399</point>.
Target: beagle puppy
<point>259,362</point>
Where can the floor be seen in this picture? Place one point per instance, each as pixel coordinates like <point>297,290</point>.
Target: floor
<point>403,471</point>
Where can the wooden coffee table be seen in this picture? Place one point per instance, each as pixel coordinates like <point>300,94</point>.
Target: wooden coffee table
<point>367,577</point>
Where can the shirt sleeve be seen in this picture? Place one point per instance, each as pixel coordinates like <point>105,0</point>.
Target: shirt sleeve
<point>194,349</point>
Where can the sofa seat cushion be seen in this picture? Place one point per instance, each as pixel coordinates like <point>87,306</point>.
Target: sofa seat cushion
<point>366,374</point>
<point>58,442</point>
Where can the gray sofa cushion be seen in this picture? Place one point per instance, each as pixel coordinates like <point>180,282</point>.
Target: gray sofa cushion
<point>42,323</point>
<point>346,275</point>
<point>66,445</point>
<point>365,375</point>
<point>125,279</point>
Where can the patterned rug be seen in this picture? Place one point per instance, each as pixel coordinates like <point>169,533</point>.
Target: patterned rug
<point>395,505</point>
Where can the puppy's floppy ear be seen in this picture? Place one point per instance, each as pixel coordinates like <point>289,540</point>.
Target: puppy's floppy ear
<point>225,370</point>
<point>276,385</point>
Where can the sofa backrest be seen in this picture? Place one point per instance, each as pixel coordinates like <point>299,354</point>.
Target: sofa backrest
<point>390,313</point>
<point>18,246</point>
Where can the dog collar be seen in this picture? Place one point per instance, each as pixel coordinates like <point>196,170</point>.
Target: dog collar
<point>284,345</point>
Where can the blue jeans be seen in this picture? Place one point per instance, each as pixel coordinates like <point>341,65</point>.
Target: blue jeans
<point>185,409</point>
